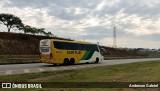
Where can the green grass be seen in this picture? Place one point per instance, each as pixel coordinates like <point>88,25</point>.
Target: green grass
<point>14,59</point>
<point>18,61</point>
<point>135,72</point>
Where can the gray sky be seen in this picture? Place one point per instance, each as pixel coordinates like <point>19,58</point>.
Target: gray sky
<point>137,21</point>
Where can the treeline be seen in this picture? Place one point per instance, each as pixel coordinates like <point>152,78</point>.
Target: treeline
<point>12,22</point>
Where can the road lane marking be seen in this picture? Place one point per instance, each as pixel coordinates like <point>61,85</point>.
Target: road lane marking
<point>73,67</point>
<point>26,70</point>
<point>40,69</point>
<point>8,72</point>
<point>53,68</point>
<point>81,66</point>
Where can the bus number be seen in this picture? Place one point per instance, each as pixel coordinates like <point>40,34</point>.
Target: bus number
<point>74,52</point>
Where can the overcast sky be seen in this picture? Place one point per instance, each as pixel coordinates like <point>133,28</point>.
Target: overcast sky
<point>137,21</point>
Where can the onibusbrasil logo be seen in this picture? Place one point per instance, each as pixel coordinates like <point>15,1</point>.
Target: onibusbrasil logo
<point>20,85</point>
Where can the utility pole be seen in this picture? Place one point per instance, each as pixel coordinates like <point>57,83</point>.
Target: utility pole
<point>114,37</point>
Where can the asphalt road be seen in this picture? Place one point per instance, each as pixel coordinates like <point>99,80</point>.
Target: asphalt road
<point>44,65</point>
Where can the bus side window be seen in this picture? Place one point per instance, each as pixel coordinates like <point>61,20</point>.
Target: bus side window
<point>90,47</point>
<point>75,46</point>
<point>83,47</point>
<point>72,46</point>
<point>67,46</point>
<point>86,47</point>
<point>80,46</point>
<point>61,45</point>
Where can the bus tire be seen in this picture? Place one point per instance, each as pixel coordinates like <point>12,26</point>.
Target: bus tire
<point>66,61</point>
<point>54,64</point>
<point>72,61</point>
<point>97,60</point>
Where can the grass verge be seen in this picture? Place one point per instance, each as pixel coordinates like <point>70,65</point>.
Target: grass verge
<point>135,72</point>
<point>18,59</point>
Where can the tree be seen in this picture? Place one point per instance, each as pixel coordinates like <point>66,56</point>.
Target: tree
<point>26,29</point>
<point>48,34</point>
<point>10,21</point>
<point>33,30</point>
<point>41,30</point>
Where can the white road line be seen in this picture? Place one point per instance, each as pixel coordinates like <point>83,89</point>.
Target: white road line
<point>63,68</point>
<point>8,72</point>
<point>26,70</point>
<point>88,65</point>
<point>53,68</point>
<point>74,67</point>
<point>71,67</point>
<point>81,66</point>
<point>40,69</point>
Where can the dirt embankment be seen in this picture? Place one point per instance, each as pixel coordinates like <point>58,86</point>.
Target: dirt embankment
<point>20,44</point>
<point>23,44</point>
<point>112,52</point>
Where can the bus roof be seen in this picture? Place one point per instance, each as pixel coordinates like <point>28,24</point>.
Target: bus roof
<point>70,41</point>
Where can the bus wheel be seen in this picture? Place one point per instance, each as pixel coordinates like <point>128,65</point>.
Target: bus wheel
<point>97,60</point>
<point>66,61</point>
<point>54,64</point>
<point>72,61</point>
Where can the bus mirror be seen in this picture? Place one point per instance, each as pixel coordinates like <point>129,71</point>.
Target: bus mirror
<point>103,51</point>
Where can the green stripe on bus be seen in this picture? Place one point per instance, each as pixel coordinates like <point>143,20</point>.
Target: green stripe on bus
<point>90,55</point>
<point>85,55</point>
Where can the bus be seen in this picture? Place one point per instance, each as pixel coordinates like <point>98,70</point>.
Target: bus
<point>67,52</point>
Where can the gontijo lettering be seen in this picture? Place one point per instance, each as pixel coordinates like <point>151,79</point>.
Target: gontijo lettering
<point>74,52</point>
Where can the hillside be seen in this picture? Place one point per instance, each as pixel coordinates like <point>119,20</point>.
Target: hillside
<point>112,52</point>
<point>23,44</point>
<point>20,44</point>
